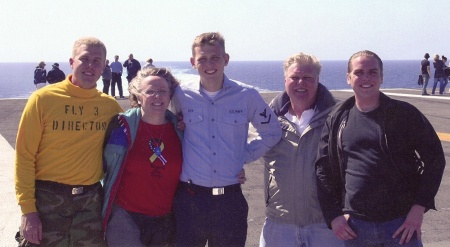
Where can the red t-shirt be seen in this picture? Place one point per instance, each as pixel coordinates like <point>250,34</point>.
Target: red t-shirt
<point>148,187</point>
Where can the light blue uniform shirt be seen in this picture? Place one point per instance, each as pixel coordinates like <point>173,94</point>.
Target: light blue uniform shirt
<point>116,67</point>
<point>215,145</point>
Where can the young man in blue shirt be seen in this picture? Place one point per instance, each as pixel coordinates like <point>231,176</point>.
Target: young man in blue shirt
<point>209,205</point>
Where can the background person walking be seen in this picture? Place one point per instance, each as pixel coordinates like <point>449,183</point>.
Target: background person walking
<point>425,71</point>
<point>439,75</point>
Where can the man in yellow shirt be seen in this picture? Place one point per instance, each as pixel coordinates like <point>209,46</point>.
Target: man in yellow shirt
<point>59,154</point>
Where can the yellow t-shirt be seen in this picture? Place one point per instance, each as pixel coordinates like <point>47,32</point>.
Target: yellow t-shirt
<point>60,138</point>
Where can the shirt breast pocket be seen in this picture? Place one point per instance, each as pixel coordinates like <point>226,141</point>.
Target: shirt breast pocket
<point>193,115</point>
<point>235,125</point>
<point>235,119</point>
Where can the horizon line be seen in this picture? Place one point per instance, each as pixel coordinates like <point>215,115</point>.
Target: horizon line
<point>167,61</point>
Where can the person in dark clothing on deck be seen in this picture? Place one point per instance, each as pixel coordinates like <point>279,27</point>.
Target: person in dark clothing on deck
<point>116,77</point>
<point>40,74</point>
<point>439,75</point>
<point>133,66</point>
<point>55,75</point>
<point>106,77</point>
<point>446,75</point>
<point>380,163</point>
<point>425,71</point>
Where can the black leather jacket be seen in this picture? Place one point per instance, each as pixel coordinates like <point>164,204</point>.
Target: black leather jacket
<point>408,140</point>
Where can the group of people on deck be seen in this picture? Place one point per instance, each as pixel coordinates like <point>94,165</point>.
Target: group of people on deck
<point>441,73</point>
<point>112,75</point>
<point>41,77</point>
<point>168,171</point>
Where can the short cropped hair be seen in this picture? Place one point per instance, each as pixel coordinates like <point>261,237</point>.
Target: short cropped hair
<point>135,86</point>
<point>302,59</point>
<point>87,41</point>
<point>365,53</point>
<point>209,39</point>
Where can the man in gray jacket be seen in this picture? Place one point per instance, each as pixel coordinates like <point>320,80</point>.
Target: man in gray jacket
<point>293,214</point>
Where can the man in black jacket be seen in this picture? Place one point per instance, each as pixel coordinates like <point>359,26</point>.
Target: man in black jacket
<point>55,75</point>
<point>133,66</point>
<point>380,163</point>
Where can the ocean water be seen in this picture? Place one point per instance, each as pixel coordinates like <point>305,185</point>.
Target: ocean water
<point>16,79</point>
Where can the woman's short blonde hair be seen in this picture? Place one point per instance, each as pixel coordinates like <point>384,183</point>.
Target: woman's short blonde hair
<point>135,87</point>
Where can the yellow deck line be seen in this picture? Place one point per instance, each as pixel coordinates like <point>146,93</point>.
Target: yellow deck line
<point>444,136</point>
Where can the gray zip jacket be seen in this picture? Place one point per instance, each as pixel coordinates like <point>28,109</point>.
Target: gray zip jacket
<point>289,174</point>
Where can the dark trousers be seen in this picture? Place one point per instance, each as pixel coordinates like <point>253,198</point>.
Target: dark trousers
<point>200,217</point>
<point>106,84</point>
<point>116,78</point>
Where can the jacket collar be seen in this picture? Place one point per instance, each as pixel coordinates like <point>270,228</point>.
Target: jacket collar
<point>324,100</point>
<point>350,102</point>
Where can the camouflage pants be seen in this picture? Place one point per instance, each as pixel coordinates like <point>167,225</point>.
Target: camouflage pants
<point>70,220</point>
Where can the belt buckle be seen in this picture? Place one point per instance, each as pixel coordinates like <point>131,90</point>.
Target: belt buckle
<point>77,190</point>
<point>218,191</point>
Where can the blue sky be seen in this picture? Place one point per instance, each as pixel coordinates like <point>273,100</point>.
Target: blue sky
<point>253,29</point>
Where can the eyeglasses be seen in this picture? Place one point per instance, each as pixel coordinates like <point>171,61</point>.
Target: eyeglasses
<point>159,92</point>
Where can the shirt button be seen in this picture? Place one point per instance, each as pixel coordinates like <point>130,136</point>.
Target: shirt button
<point>214,153</point>
<point>213,136</point>
<point>212,103</point>
<point>215,171</point>
<point>212,119</point>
